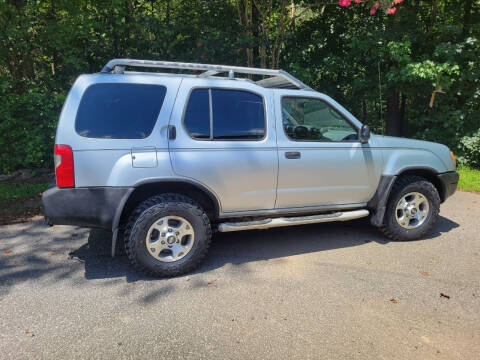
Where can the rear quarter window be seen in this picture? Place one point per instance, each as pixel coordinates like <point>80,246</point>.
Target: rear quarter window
<point>119,111</point>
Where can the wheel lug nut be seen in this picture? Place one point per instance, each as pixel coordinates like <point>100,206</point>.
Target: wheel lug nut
<point>163,234</point>
<point>163,242</point>
<point>187,227</point>
<point>152,249</point>
<point>170,230</point>
<point>177,233</point>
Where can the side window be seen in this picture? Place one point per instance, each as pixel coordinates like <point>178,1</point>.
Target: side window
<point>119,111</point>
<point>307,119</point>
<point>197,115</point>
<point>235,115</point>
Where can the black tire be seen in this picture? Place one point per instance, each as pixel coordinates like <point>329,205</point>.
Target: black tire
<point>402,187</point>
<point>150,211</point>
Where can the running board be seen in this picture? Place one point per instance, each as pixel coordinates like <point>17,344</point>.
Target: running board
<point>289,221</point>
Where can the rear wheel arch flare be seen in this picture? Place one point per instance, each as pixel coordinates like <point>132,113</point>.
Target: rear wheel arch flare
<point>148,188</point>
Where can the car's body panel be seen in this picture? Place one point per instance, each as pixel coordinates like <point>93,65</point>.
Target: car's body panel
<point>402,153</point>
<point>108,162</point>
<point>243,174</point>
<point>245,178</point>
<point>327,172</point>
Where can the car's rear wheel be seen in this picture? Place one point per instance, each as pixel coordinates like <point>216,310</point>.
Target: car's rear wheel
<point>412,209</point>
<point>167,235</point>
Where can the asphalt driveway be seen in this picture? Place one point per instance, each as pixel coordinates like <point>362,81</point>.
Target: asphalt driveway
<point>332,291</point>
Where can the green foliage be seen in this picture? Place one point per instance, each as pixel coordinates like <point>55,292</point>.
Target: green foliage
<point>469,179</point>
<point>470,146</point>
<point>10,191</point>
<point>362,61</point>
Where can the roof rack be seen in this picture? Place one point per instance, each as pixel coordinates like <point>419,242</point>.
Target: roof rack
<point>276,78</point>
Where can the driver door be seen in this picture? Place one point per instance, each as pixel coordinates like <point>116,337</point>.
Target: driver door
<point>321,161</point>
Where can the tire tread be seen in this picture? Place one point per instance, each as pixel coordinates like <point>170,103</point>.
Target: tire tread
<point>150,205</point>
<point>404,181</point>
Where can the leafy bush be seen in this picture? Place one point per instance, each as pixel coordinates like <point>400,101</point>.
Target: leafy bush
<point>27,128</point>
<point>470,146</point>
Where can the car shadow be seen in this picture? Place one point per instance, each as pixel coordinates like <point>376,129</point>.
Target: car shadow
<point>245,246</point>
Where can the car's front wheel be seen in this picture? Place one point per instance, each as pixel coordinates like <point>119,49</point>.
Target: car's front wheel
<point>167,235</point>
<point>412,209</point>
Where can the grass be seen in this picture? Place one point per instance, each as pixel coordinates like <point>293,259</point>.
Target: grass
<point>18,191</point>
<point>469,179</point>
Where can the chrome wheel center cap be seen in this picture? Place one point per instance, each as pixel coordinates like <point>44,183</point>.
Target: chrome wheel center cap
<point>412,210</point>
<point>170,238</point>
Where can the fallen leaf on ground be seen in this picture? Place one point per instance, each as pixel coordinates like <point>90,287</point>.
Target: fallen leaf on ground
<point>211,282</point>
<point>252,318</point>
<point>393,300</point>
<point>8,252</point>
<point>444,295</point>
<point>369,263</point>
<point>187,279</point>
<point>424,273</point>
<point>27,331</point>
<point>425,339</point>
<point>128,285</point>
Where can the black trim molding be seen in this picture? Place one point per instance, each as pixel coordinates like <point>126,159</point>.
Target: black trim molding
<point>94,207</point>
<point>449,182</point>
<point>378,203</point>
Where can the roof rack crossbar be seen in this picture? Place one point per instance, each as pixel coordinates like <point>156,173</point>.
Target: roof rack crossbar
<point>118,66</point>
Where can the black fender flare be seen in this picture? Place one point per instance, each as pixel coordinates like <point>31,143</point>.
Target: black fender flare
<point>378,203</point>
<point>119,211</point>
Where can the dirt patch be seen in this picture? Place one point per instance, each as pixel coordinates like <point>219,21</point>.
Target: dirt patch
<point>19,204</point>
<point>15,210</point>
<point>470,191</point>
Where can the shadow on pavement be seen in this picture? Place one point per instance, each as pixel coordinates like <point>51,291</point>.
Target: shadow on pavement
<point>245,246</point>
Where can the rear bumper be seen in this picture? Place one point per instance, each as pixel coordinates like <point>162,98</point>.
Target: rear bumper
<point>95,207</point>
<point>449,182</point>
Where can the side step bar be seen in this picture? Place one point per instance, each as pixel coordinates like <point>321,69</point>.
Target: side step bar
<point>289,221</point>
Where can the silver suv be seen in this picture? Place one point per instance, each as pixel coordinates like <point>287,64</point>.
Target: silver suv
<point>166,158</point>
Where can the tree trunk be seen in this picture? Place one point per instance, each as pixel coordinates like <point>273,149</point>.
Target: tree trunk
<point>403,118</point>
<point>467,15</point>
<point>364,111</point>
<point>167,15</point>
<point>394,123</point>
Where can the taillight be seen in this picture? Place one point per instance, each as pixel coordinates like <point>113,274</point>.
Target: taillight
<point>64,166</point>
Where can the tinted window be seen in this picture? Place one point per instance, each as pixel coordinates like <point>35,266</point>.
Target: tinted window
<point>119,111</point>
<point>237,115</point>
<point>307,119</point>
<point>197,114</point>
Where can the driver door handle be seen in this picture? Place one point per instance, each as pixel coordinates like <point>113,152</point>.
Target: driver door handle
<point>292,155</point>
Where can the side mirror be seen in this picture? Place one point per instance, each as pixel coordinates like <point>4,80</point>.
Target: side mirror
<point>364,134</point>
